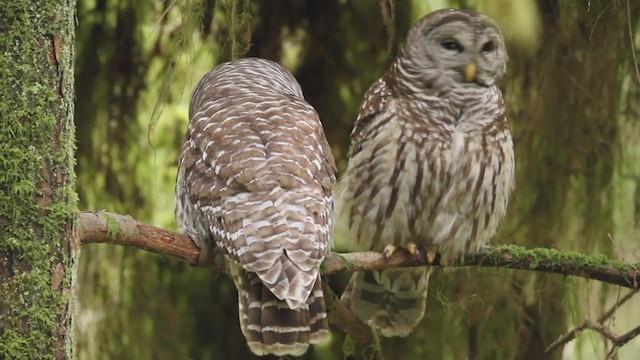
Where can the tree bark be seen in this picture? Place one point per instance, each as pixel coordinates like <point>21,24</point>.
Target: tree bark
<point>38,250</point>
<point>111,228</point>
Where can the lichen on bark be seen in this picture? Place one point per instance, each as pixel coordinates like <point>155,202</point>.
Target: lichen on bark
<point>37,199</point>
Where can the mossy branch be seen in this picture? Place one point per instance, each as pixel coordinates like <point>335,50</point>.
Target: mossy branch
<point>110,228</point>
<point>104,227</point>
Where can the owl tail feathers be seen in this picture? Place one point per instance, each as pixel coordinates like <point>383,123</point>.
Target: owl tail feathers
<point>392,301</point>
<point>270,326</point>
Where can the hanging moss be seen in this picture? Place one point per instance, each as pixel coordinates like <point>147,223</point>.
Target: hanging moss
<point>564,159</point>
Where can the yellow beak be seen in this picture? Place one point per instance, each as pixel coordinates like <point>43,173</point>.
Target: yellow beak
<point>470,72</point>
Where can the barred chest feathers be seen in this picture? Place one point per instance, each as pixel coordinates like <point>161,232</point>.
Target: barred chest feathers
<point>437,173</point>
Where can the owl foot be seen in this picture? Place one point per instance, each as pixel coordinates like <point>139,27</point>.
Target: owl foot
<point>389,250</point>
<point>412,248</point>
<point>434,258</point>
<point>431,256</point>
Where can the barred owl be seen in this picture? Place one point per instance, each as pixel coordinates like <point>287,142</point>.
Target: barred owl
<point>431,162</point>
<point>254,190</point>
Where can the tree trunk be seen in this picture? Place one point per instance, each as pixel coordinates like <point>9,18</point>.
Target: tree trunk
<point>38,251</point>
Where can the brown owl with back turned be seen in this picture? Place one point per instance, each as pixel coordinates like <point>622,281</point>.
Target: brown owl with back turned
<point>431,163</point>
<point>254,191</point>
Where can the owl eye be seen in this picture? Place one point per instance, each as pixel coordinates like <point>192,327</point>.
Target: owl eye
<point>451,45</point>
<point>488,47</point>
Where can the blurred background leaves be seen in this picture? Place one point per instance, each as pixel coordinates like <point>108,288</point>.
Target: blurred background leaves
<point>573,100</point>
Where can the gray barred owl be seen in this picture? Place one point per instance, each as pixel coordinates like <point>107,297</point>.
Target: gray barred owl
<point>431,162</point>
<point>254,189</point>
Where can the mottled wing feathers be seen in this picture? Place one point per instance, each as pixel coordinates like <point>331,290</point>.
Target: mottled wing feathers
<point>375,101</point>
<point>254,183</point>
<point>261,174</point>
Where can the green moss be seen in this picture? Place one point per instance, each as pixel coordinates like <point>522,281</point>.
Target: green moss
<point>114,230</point>
<point>36,177</point>
<point>533,259</point>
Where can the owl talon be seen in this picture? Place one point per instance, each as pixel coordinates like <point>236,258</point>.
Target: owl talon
<point>412,248</point>
<point>388,251</point>
<point>431,256</point>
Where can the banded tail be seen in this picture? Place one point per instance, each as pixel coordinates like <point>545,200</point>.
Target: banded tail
<point>393,300</point>
<point>270,326</point>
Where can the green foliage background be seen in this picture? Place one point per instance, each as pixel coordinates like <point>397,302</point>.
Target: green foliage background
<point>572,94</point>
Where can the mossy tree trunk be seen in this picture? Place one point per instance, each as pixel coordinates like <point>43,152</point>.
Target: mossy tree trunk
<point>38,250</point>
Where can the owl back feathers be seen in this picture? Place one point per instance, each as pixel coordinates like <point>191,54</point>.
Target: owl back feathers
<point>254,188</point>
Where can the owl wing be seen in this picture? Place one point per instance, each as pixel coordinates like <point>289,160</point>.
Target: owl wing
<point>262,177</point>
<point>392,300</point>
<point>254,183</point>
<point>374,103</point>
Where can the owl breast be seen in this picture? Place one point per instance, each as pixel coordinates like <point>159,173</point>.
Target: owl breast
<point>438,182</point>
<point>479,164</point>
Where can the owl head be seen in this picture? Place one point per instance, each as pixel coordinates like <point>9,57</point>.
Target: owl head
<point>451,47</point>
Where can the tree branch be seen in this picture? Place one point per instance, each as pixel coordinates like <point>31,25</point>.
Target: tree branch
<point>105,227</point>
<point>618,341</point>
<point>111,228</point>
<point>364,344</point>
